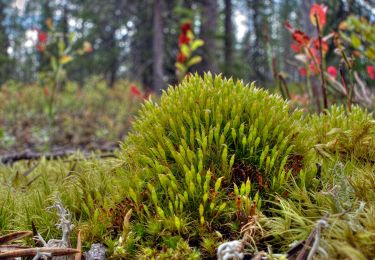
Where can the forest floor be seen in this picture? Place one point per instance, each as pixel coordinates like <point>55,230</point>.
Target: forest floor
<point>326,208</point>
<point>82,118</point>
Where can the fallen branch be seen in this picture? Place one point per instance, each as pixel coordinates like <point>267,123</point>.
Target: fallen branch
<point>14,236</point>
<point>34,251</point>
<point>30,155</point>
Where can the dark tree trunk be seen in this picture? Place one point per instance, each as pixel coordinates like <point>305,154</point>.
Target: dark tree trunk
<point>258,54</point>
<point>207,34</point>
<point>64,24</point>
<point>113,66</point>
<point>158,47</point>
<point>228,41</point>
<point>4,44</point>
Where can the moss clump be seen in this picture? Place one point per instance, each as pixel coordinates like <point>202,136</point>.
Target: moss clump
<point>200,158</point>
<point>349,135</point>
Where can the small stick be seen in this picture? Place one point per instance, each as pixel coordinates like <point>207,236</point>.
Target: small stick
<point>54,251</point>
<point>345,87</point>
<point>29,155</point>
<point>325,100</point>
<point>14,236</point>
<point>284,84</point>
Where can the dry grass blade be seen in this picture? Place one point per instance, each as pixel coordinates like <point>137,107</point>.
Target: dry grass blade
<point>14,236</point>
<point>36,250</point>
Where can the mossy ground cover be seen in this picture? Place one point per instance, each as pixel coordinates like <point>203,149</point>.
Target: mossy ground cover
<point>82,116</point>
<point>212,161</point>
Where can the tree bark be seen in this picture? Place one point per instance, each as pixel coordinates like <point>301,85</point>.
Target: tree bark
<point>4,44</point>
<point>228,41</point>
<point>158,47</point>
<point>207,34</point>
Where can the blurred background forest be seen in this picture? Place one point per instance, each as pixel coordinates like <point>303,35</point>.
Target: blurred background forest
<point>73,72</point>
<point>137,40</point>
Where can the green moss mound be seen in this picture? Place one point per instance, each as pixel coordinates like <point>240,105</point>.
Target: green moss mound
<point>349,135</point>
<point>200,158</point>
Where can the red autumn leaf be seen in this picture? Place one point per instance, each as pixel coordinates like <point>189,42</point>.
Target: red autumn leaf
<point>185,27</point>
<point>302,71</point>
<point>301,38</point>
<point>135,91</point>
<point>320,10</point>
<point>314,69</point>
<point>371,72</point>
<point>181,58</point>
<point>313,55</point>
<point>183,39</point>
<point>332,71</point>
<point>289,27</point>
<point>295,47</point>
<point>324,46</point>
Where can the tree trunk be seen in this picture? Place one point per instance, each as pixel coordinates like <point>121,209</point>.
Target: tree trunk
<point>258,57</point>
<point>4,44</point>
<point>207,34</point>
<point>228,41</point>
<point>158,47</point>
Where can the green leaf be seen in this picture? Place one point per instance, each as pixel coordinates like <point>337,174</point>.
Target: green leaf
<point>53,63</point>
<point>194,60</point>
<point>355,41</point>
<point>180,67</point>
<point>66,59</point>
<point>185,50</point>
<point>196,44</point>
<point>61,46</point>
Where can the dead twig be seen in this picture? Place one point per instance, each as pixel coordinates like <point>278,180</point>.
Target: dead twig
<point>54,251</point>
<point>30,155</point>
<point>14,236</point>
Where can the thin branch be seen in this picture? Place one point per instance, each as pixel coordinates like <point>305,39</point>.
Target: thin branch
<point>54,251</point>
<point>30,155</point>
<point>324,89</point>
<point>284,86</point>
<point>14,236</point>
<point>345,87</point>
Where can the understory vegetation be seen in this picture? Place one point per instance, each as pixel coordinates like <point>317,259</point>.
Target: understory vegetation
<point>81,116</point>
<point>212,161</point>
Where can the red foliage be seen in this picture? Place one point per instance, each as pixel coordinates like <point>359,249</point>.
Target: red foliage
<point>295,47</point>
<point>42,41</point>
<point>302,71</point>
<point>332,71</point>
<point>314,68</point>
<point>135,91</point>
<point>313,55</point>
<point>42,37</point>
<point>320,10</point>
<point>324,45</point>
<point>185,27</point>
<point>181,58</point>
<point>183,39</point>
<point>371,72</point>
<point>301,38</point>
